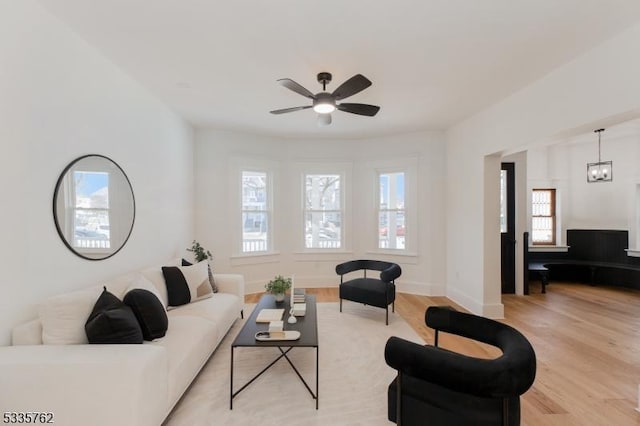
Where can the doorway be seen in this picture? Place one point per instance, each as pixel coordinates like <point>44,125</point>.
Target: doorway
<point>508,228</point>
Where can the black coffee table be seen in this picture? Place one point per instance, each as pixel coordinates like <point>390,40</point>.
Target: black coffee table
<point>306,325</point>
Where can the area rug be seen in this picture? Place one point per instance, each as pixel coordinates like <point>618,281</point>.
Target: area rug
<point>353,376</point>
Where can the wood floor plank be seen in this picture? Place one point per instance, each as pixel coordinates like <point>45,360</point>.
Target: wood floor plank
<point>587,343</point>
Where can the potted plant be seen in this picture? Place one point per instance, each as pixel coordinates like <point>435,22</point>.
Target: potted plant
<point>200,254</point>
<point>278,286</point>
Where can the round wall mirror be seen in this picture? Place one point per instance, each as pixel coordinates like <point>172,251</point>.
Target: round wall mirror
<point>93,207</point>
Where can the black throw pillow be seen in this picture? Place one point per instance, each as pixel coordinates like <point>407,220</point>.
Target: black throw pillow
<point>149,312</point>
<point>186,263</point>
<point>111,321</point>
<point>177,288</point>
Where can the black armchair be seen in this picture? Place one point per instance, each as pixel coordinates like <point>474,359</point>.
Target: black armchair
<point>379,292</point>
<point>438,387</point>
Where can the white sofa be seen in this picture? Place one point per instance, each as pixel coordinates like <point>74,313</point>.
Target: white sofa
<point>86,384</point>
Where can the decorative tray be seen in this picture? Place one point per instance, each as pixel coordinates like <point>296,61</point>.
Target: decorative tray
<point>265,336</point>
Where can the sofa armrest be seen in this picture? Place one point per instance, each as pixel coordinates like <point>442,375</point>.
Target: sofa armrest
<point>230,283</point>
<point>86,384</point>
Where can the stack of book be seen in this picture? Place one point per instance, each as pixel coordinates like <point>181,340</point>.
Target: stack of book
<point>298,295</point>
<point>268,315</point>
<point>276,329</point>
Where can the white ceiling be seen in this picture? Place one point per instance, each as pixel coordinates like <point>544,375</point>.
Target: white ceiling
<point>432,62</point>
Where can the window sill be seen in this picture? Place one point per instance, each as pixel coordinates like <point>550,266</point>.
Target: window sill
<point>551,249</point>
<point>321,256</point>
<point>632,252</point>
<point>255,259</point>
<point>406,256</point>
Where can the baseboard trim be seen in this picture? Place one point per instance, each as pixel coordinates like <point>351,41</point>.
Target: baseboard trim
<point>410,287</point>
<point>494,311</point>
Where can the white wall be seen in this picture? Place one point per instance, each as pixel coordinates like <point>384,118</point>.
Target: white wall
<point>597,89</point>
<point>60,99</point>
<point>423,273</point>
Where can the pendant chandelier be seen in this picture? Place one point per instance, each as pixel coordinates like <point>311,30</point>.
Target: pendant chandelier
<point>602,171</point>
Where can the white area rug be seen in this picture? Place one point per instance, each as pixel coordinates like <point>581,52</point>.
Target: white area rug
<point>353,376</point>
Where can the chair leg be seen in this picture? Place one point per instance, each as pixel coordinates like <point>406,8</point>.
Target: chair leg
<point>399,398</point>
<point>386,312</point>
<point>242,313</point>
<point>340,305</point>
<point>505,412</point>
<point>393,306</point>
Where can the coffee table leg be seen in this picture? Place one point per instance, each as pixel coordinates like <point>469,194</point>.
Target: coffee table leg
<point>317,376</point>
<point>231,383</point>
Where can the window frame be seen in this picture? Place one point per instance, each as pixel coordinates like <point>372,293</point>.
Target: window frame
<point>237,165</point>
<point>306,211</point>
<point>267,212</point>
<point>552,216</point>
<point>410,167</point>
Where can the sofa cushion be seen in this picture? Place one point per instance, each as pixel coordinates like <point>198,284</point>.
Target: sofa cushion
<point>63,317</point>
<point>111,321</point>
<point>222,309</point>
<point>187,284</point>
<point>155,276</point>
<point>189,342</point>
<point>148,311</point>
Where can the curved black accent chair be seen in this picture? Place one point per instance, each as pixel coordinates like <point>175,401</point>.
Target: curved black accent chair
<point>435,386</point>
<point>379,292</point>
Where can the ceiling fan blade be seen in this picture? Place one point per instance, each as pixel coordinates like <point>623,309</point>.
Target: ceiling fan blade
<point>355,84</point>
<point>292,85</point>
<point>360,109</point>
<point>284,110</point>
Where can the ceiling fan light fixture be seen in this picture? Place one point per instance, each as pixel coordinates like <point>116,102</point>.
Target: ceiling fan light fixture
<point>324,103</point>
<point>324,108</point>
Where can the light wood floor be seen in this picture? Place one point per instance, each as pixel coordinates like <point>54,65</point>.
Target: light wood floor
<point>587,343</point>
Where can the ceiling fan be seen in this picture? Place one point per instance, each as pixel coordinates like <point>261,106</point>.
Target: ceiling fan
<point>324,103</point>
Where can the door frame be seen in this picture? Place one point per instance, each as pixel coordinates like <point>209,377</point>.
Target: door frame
<point>508,238</point>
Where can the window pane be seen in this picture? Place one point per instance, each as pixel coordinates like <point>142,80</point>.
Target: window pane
<point>323,229</point>
<point>92,189</point>
<point>91,219</point>
<point>391,230</point>
<point>322,192</point>
<point>91,229</point>
<point>254,191</point>
<point>391,190</point>
<point>503,201</point>
<point>255,212</point>
<point>543,216</point>
<point>542,229</point>
<point>391,225</point>
<point>323,213</point>
<point>254,232</point>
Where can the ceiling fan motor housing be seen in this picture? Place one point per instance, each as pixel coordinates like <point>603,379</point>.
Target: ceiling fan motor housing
<point>324,78</point>
<point>325,102</point>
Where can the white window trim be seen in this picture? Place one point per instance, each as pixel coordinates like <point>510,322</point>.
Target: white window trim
<point>238,166</point>
<point>345,171</point>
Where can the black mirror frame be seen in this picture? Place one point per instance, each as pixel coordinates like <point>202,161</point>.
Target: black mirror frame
<point>55,201</point>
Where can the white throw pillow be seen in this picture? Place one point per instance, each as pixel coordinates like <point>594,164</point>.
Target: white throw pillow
<point>63,317</point>
<point>196,278</point>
